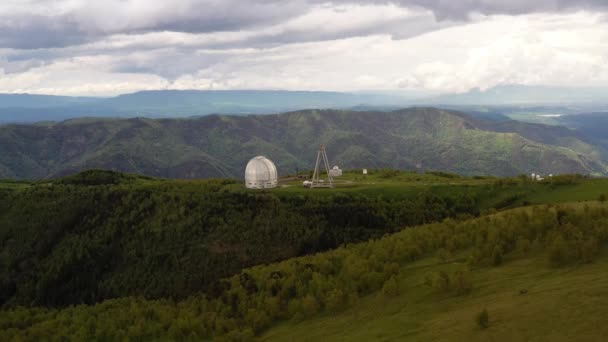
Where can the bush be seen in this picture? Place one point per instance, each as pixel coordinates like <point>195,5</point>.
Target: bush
<point>474,258</point>
<point>497,255</point>
<point>441,282</point>
<point>310,306</point>
<point>589,250</point>
<point>559,252</point>
<point>443,174</point>
<point>444,255</point>
<point>602,198</point>
<point>483,319</point>
<point>523,245</point>
<point>388,173</point>
<point>391,288</point>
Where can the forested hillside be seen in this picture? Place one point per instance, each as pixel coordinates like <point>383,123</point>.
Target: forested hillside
<point>100,235</point>
<point>220,146</point>
<point>421,268</point>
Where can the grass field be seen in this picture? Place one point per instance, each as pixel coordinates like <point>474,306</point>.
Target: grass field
<point>566,304</point>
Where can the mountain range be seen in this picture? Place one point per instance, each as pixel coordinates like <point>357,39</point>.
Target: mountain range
<point>220,145</point>
<point>27,108</point>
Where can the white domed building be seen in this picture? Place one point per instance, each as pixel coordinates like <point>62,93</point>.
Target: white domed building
<point>261,173</point>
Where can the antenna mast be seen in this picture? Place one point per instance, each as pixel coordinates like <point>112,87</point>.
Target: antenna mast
<point>317,182</point>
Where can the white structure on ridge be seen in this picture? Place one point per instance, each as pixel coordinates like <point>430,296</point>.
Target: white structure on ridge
<point>538,177</point>
<point>261,173</point>
<point>316,181</point>
<point>335,172</point>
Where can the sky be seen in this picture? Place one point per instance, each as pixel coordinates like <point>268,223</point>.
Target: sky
<point>103,48</point>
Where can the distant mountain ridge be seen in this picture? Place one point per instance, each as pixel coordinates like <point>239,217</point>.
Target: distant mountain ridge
<point>522,95</point>
<point>220,146</point>
<point>25,108</point>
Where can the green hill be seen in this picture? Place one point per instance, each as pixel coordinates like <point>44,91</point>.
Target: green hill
<point>538,272</point>
<point>220,146</point>
<point>557,304</point>
<point>100,235</point>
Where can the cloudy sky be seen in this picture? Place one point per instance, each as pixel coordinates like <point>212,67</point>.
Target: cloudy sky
<point>100,48</point>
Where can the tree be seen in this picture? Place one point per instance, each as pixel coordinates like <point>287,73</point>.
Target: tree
<point>559,252</point>
<point>523,245</point>
<point>497,255</point>
<point>310,306</point>
<point>391,287</point>
<point>483,319</point>
<point>441,282</point>
<point>444,255</point>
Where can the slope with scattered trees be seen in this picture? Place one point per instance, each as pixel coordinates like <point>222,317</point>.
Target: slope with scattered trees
<point>327,284</point>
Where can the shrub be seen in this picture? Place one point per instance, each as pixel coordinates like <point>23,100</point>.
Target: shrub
<point>602,198</point>
<point>559,252</point>
<point>391,288</point>
<point>310,306</point>
<point>335,301</point>
<point>444,255</point>
<point>441,282</point>
<point>523,245</point>
<point>388,173</point>
<point>497,255</point>
<point>589,250</point>
<point>483,319</point>
<point>474,258</point>
<point>443,174</point>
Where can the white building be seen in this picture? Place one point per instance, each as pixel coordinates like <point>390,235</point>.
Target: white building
<point>261,173</point>
<point>335,172</point>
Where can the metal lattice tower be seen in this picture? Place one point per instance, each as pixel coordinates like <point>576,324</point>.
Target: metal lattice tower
<point>317,182</point>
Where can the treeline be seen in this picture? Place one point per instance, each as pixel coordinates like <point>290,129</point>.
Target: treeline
<point>102,235</point>
<point>246,304</point>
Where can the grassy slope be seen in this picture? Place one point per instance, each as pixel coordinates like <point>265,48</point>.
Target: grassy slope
<point>562,305</point>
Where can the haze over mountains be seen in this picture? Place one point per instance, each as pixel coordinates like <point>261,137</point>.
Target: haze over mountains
<point>22,108</point>
<point>220,146</point>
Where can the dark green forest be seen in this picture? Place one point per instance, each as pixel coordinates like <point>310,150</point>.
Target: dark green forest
<point>101,235</point>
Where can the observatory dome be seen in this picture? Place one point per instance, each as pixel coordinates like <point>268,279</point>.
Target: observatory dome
<point>260,173</point>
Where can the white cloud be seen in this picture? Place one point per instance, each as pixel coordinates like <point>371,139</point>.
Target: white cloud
<point>327,47</point>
